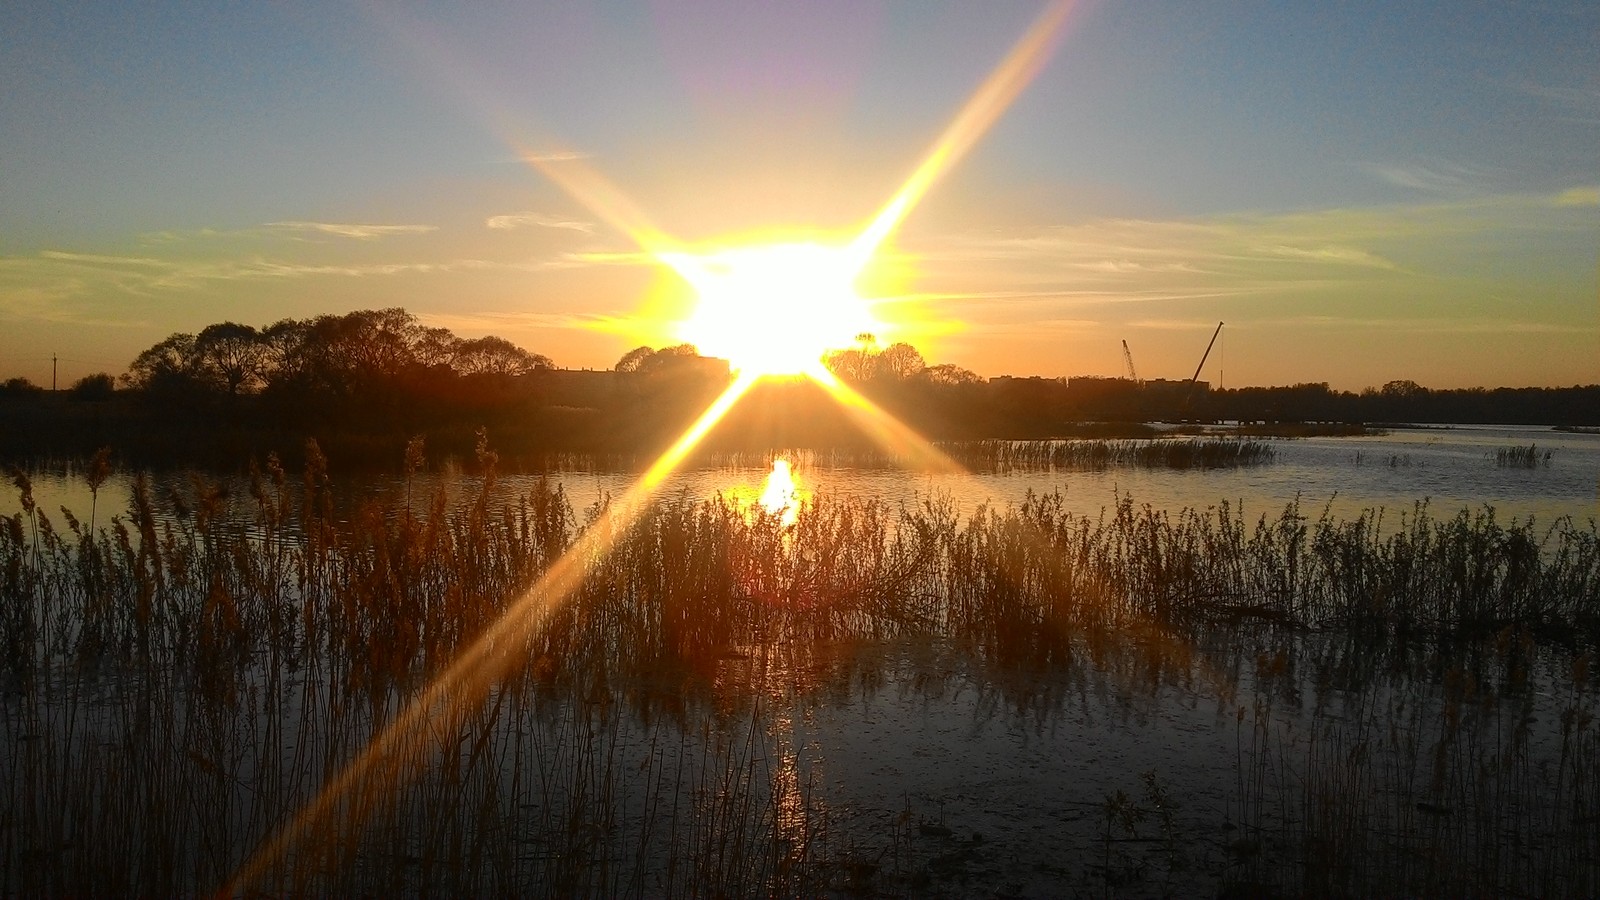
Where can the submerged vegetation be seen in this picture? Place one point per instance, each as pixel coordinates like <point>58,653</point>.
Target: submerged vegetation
<point>180,682</point>
<point>1527,457</point>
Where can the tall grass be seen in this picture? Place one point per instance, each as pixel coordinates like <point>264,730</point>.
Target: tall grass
<point>180,682</point>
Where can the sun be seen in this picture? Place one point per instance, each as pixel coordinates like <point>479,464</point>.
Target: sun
<point>774,309</point>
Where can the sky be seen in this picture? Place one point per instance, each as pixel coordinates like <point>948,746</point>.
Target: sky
<point>1364,192</point>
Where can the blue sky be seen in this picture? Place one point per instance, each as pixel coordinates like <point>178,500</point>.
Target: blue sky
<point>1364,191</point>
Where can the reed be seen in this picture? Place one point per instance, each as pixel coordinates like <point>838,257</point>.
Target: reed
<point>1079,455</point>
<point>1527,457</point>
<point>181,681</point>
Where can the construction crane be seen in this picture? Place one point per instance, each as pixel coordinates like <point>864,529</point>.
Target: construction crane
<point>1127,362</point>
<point>1196,376</point>
<point>1189,394</point>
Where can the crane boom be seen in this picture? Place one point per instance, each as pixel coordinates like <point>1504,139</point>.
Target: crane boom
<point>1127,361</point>
<point>1188,395</point>
<point>1196,376</point>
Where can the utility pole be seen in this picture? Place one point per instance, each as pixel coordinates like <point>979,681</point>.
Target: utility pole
<point>52,373</point>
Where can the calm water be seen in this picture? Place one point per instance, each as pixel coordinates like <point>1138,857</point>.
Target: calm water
<point>1449,468</point>
<point>944,777</point>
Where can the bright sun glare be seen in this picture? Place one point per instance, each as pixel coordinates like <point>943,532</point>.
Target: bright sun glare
<point>780,497</point>
<point>773,309</point>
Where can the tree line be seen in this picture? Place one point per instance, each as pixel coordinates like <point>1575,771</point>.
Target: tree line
<point>364,382</point>
<point>357,356</point>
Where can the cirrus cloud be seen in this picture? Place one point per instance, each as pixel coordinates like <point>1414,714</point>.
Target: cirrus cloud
<point>358,231</point>
<point>525,219</point>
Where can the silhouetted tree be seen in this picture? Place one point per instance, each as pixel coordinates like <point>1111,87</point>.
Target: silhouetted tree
<point>634,359</point>
<point>435,346</point>
<point>19,387</point>
<point>168,367</point>
<point>898,361</point>
<point>495,356</point>
<point>230,356</point>
<point>99,386</point>
<point>280,348</point>
<point>948,375</point>
<point>669,359</point>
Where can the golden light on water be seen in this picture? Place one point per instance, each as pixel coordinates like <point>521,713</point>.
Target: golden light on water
<point>772,308</point>
<point>781,496</point>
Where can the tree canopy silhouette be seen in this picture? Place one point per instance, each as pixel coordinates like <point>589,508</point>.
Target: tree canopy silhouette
<point>331,356</point>
<point>366,382</point>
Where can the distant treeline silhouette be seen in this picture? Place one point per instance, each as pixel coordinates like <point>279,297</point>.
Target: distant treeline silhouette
<point>365,382</point>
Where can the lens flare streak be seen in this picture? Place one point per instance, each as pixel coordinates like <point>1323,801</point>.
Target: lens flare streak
<point>440,711</point>
<point>586,185</point>
<point>997,92</point>
<point>891,435</point>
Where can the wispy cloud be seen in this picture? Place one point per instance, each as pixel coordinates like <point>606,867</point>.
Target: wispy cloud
<point>1314,247</point>
<point>552,156</point>
<point>524,219</point>
<point>176,236</point>
<point>1424,325</point>
<point>606,258</point>
<point>1204,325</point>
<point>1128,267</point>
<point>1579,196</point>
<point>105,259</point>
<point>1576,104</point>
<point>1434,177</point>
<point>359,232</point>
<point>1351,256</point>
<point>1018,299</point>
<point>473,322</point>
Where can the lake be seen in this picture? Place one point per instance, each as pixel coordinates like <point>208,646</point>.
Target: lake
<point>865,706</point>
<point>1451,468</point>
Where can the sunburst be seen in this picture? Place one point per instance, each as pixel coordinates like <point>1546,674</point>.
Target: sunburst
<point>771,309</point>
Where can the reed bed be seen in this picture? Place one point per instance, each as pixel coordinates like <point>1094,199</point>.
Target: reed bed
<point>1094,455</point>
<point>1527,457</point>
<point>1067,454</point>
<point>180,681</point>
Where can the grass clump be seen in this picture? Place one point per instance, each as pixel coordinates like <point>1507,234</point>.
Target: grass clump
<point>1527,457</point>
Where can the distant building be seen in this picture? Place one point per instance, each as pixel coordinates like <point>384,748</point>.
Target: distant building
<point>1155,389</point>
<point>1163,391</point>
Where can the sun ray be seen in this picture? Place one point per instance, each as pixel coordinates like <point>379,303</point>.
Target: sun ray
<point>675,454</point>
<point>889,433</point>
<point>444,706</point>
<point>985,105</point>
<point>585,184</point>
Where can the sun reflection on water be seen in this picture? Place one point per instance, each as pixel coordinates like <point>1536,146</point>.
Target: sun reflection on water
<point>781,496</point>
